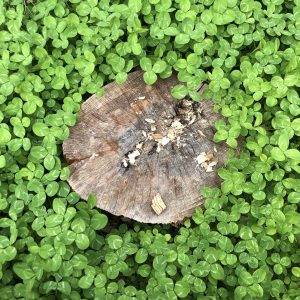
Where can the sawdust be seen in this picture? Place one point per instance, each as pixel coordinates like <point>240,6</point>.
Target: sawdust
<point>170,130</point>
<point>186,114</point>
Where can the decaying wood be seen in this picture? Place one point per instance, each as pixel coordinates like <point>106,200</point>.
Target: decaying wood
<point>137,142</point>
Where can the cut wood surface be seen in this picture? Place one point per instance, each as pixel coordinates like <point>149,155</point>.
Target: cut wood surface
<point>144,154</point>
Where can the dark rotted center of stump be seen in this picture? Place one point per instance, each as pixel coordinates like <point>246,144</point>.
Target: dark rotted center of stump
<point>167,131</point>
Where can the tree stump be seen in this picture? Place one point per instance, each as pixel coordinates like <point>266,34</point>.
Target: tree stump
<point>144,154</point>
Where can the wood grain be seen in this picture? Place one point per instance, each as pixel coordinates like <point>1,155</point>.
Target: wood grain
<point>111,126</point>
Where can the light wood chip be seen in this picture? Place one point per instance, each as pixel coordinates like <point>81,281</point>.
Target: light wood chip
<point>158,204</point>
<point>151,121</point>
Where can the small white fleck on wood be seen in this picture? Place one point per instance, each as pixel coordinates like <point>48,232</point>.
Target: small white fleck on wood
<point>153,127</point>
<point>165,140</point>
<point>124,162</point>
<point>155,136</point>
<point>201,158</point>
<point>187,103</point>
<point>209,169</point>
<point>177,125</point>
<point>151,121</point>
<point>206,162</point>
<point>139,146</point>
<point>201,133</point>
<point>213,163</point>
<point>132,156</point>
<point>193,119</point>
<point>158,204</point>
<point>158,149</point>
<point>94,155</point>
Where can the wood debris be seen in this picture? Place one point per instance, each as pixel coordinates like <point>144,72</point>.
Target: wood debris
<point>210,156</point>
<point>189,111</point>
<point>205,161</point>
<point>172,134</point>
<point>153,127</point>
<point>94,155</point>
<point>139,146</point>
<point>170,130</point>
<point>193,119</point>
<point>202,134</point>
<point>125,163</point>
<point>204,165</point>
<point>165,140</point>
<point>155,136</point>
<point>210,166</point>
<point>151,121</point>
<point>158,148</point>
<point>131,157</point>
<point>158,204</point>
<point>186,103</point>
<point>201,158</point>
<point>177,124</point>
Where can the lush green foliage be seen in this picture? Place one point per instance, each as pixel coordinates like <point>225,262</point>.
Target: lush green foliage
<point>245,244</point>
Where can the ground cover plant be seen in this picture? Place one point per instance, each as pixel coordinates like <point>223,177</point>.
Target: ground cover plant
<point>245,243</point>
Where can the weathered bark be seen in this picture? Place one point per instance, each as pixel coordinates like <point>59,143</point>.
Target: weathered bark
<point>101,151</point>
